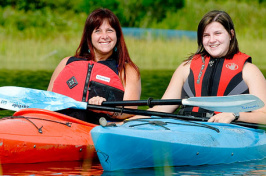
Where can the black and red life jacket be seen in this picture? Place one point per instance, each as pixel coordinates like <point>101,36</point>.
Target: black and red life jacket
<point>215,77</point>
<point>82,79</point>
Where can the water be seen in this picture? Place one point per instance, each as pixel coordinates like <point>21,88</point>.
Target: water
<point>246,168</point>
<point>256,168</point>
<point>153,85</point>
<point>158,33</point>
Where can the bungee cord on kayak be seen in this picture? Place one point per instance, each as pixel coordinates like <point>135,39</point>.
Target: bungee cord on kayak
<point>38,128</point>
<point>163,123</point>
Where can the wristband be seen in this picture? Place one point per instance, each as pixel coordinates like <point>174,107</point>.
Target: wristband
<point>236,115</point>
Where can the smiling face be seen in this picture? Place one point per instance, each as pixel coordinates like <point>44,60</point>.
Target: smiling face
<point>103,40</point>
<point>216,40</point>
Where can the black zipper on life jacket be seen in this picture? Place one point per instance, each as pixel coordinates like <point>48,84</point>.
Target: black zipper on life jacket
<point>213,71</point>
<point>86,86</point>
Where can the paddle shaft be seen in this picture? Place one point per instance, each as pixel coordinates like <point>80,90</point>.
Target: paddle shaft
<point>149,102</point>
<point>164,114</point>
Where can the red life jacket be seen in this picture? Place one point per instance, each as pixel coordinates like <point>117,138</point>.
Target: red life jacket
<point>216,77</point>
<point>82,79</point>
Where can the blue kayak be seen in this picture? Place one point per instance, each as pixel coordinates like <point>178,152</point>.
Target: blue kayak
<point>158,142</point>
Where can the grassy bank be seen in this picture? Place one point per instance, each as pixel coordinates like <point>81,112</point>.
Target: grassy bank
<point>31,54</point>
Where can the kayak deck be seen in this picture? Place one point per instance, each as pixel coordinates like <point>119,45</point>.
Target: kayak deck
<point>36,135</point>
<point>171,142</point>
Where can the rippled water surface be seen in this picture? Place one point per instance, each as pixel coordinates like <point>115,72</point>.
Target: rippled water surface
<point>88,168</point>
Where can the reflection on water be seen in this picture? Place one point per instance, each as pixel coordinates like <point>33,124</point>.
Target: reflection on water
<point>79,168</point>
<point>54,168</point>
<point>245,168</point>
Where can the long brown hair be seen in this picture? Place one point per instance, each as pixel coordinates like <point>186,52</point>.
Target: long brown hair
<point>224,19</point>
<point>94,21</point>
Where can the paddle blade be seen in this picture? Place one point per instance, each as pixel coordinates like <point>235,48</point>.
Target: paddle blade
<point>17,98</point>
<point>234,103</point>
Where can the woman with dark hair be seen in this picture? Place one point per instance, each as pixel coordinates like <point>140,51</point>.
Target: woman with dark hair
<point>100,70</point>
<point>217,68</point>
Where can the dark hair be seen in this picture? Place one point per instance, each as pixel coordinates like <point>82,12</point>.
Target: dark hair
<point>224,19</point>
<point>95,20</point>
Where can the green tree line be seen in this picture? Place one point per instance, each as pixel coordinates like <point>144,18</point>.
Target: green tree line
<point>35,18</point>
<point>130,12</point>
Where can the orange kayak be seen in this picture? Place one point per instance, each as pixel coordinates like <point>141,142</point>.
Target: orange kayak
<point>37,135</point>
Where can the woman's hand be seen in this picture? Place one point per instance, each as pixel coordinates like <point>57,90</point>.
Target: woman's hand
<point>222,118</point>
<point>98,101</point>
